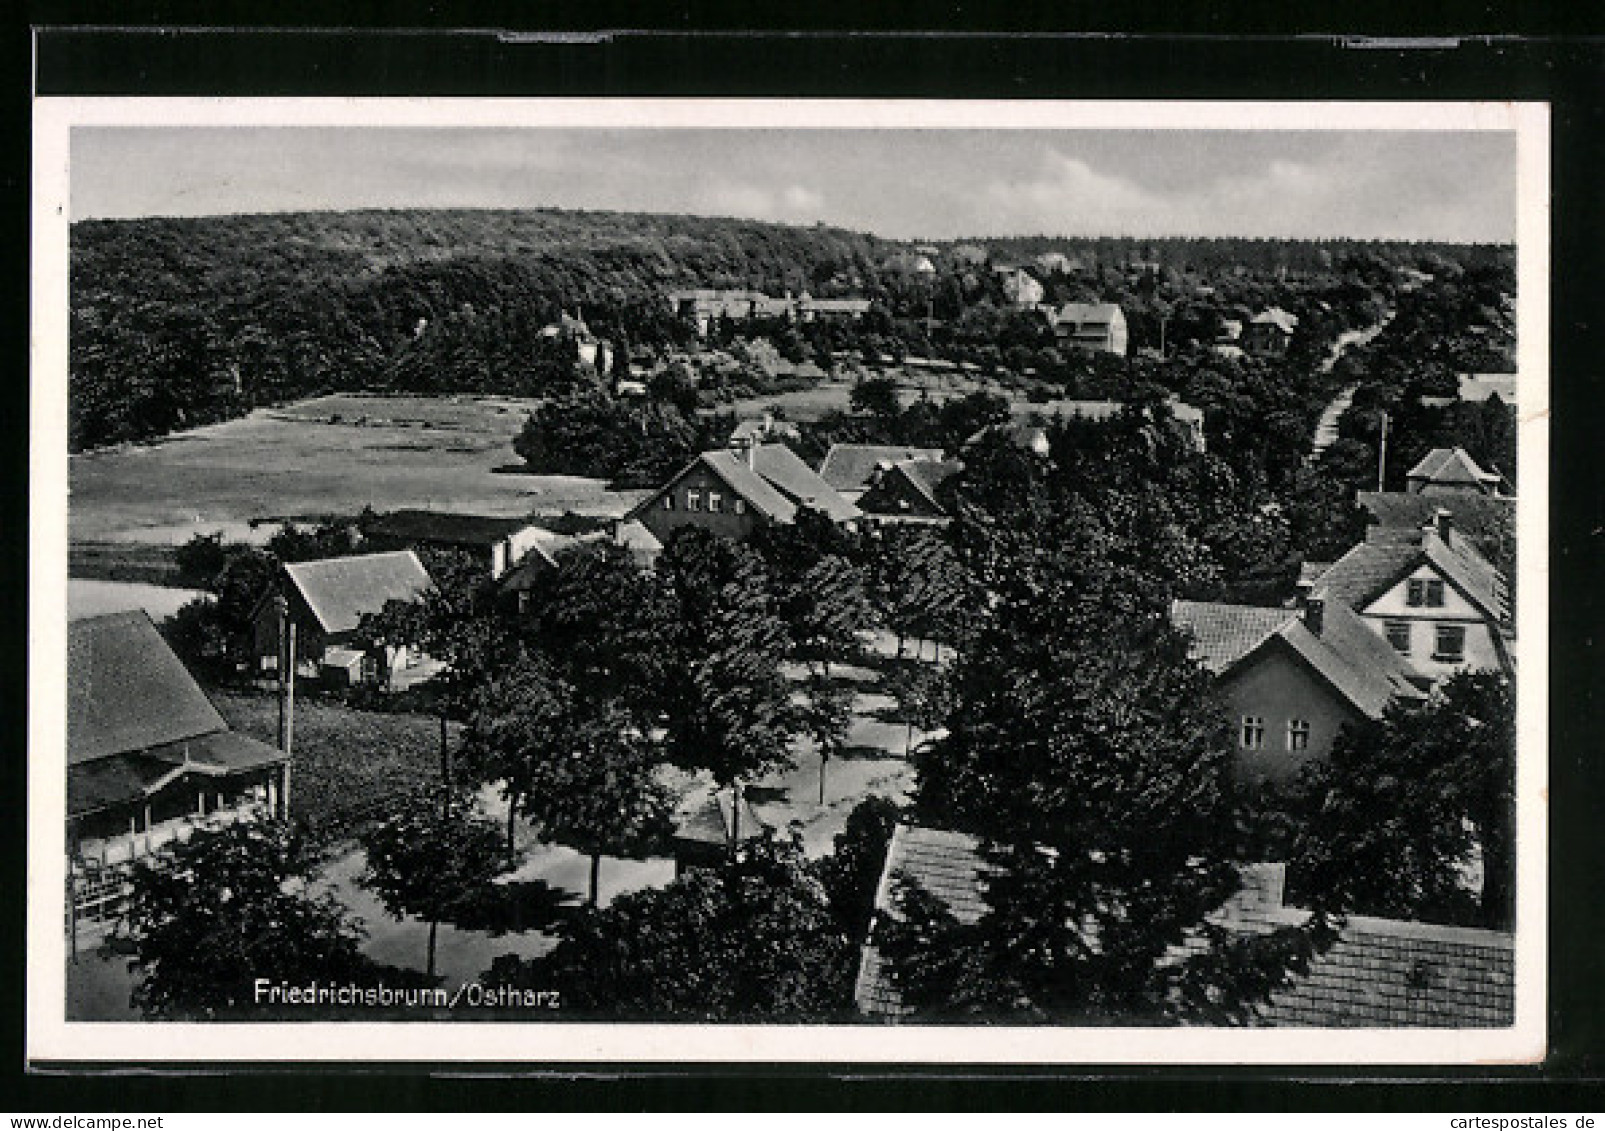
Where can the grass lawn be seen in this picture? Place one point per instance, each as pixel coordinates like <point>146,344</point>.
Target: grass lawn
<point>347,764</point>
<point>327,455</point>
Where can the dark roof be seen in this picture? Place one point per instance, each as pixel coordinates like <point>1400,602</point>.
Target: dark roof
<point>340,590</point>
<point>1381,973</point>
<point>122,778</point>
<point>928,474</point>
<point>1451,465</point>
<point>1356,662</point>
<point>444,528</point>
<point>127,691</point>
<point>537,560</point>
<point>1483,518</point>
<point>848,467</point>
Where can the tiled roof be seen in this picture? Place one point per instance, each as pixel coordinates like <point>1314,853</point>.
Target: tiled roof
<point>444,527</point>
<point>1376,565</point>
<point>928,474</point>
<point>799,482</point>
<point>127,691</point>
<point>760,494</point>
<point>1378,973</point>
<point>1223,634</point>
<point>122,778</point>
<point>1483,518</point>
<point>1450,465</point>
<point>339,591</point>
<point>847,467</point>
<point>1356,662</point>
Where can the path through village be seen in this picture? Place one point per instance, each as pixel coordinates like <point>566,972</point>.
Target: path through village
<point>1326,429</point>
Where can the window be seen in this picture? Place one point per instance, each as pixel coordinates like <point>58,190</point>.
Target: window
<point>668,502</point>
<point>1298,734</point>
<point>693,500</point>
<point>1435,594</point>
<point>1416,596</point>
<point>741,506</point>
<point>1451,643</point>
<point>1253,732</point>
<point>1399,636</point>
<point>715,502</point>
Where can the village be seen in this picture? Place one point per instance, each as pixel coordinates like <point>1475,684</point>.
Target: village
<point>837,640</point>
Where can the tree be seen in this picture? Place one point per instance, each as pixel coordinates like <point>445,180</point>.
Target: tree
<point>826,714</point>
<point>726,703</point>
<point>1397,820</point>
<point>753,940</point>
<point>582,772</point>
<point>876,396</point>
<point>851,873</point>
<point>213,914</point>
<point>431,857</point>
<point>1088,755</point>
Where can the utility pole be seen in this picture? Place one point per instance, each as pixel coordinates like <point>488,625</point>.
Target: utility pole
<point>1382,454</point>
<point>286,674</point>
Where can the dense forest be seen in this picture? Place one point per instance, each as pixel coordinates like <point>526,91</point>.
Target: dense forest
<point>181,322</point>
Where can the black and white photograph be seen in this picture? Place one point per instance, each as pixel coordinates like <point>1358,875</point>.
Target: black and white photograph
<point>753,580</point>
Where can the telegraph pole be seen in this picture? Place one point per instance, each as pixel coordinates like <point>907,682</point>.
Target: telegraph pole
<point>286,675</point>
<point>1382,454</point>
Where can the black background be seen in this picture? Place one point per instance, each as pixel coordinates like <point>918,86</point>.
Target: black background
<point>1484,51</point>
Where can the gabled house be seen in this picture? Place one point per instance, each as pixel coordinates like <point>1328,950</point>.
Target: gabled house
<point>762,430</point>
<point>1377,973</point>
<point>1477,388</point>
<point>326,601</point>
<point>1436,600</point>
<point>732,491</point>
<point>1450,471</point>
<point>593,351</point>
<point>906,491</point>
<point>1097,326</point>
<point>497,543</point>
<point>1486,520</point>
<point>1293,677</point>
<point>1020,288</point>
<point>1269,333</point>
<point>848,468</point>
<point>149,759</point>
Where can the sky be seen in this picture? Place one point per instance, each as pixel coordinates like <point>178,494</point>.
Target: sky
<point>902,184</point>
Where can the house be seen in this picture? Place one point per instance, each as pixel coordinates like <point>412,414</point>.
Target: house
<point>1488,521</point>
<point>149,759</point>
<point>702,839</point>
<point>326,600</point>
<point>732,491</point>
<point>1054,263</point>
<point>1377,973</point>
<point>848,468</point>
<point>1429,592</point>
<point>909,263</point>
<point>810,309</point>
<point>1269,333</point>
<point>761,430</point>
<point>496,543</point>
<point>642,544</point>
<point>517,586</point>
<point>1187,419</point>
<point>1450,471</point>
<point>1019,287</point>
<point>1477,388</point>
<point>906,491</point>
<point>1293,678</point>
<point>1096,326</point>
<point>593,351</point>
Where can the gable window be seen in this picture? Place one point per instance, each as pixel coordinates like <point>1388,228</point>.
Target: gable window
<point>1298,734</point>
<point>740,506</point>
<point>1450,645</point>
<point>1434,594</point>
<point>1253,732</point>
<point>1399,636</point>
<point>715,502</point>
<point>1416,594</point>
<point>693,500</point>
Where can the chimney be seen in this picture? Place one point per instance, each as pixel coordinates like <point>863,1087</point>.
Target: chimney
<point>1315,612</point>
<point>1443,523</point>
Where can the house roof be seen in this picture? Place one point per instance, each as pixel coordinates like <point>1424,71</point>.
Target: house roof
<point>709,823</point>
<point>445,527</point>
<point>537,560</point>
<point>1377,564</point>
<point>127,691</point>
<point>1357,663</point>
<point>801,483</point>
<point>1481,386</point>
<point>848,467</point>
<point>339,591</point>
<point>1090,314</point>
<point>927,475</point>
<point>121,778</point>
<point>1450,465</point>
<point>1381,973</point>
<point>1483,518</point>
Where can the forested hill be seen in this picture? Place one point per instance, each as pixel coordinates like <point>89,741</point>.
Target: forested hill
<point>180,322</point>
<point>177,322</point>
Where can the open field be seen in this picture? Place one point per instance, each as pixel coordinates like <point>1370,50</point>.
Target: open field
<point>329,455</point>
